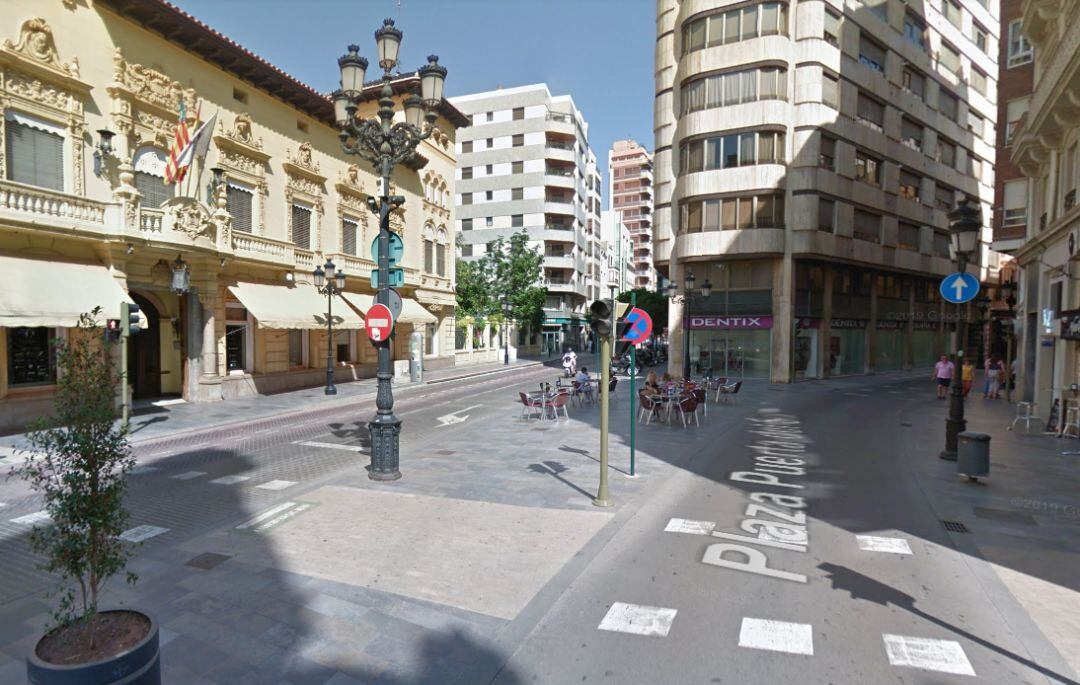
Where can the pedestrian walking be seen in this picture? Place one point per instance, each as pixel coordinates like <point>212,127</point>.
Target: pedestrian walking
<point>995,375</point>
<point>943,373</point>
<point>967,376</point>
<point>986,375</point>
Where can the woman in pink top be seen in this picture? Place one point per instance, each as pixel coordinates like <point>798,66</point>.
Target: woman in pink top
<point>943,373</point>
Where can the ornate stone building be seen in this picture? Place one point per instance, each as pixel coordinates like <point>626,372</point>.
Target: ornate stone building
<point>89,98</point>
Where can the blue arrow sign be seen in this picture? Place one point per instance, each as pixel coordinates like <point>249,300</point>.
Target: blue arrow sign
<point>640,325</point>
<point>959,288</point>
<point>397,249</point>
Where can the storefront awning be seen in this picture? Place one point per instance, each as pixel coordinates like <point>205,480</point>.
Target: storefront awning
<point>38,292</point>
<point>302,307</point>
<point>412,312</point>
<point>359,301</point>
<point>436,297</point>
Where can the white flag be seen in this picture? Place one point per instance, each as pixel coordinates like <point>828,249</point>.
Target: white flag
<point>198,145</point>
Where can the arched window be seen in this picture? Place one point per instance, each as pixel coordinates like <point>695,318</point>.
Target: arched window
<point>440,254</point>
<point>429,248</point>
<point>150,177</point>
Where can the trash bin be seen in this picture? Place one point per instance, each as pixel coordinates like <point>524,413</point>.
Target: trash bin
<point>973,455</point>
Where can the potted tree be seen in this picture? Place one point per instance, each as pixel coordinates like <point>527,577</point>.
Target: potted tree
<point>78,462</point>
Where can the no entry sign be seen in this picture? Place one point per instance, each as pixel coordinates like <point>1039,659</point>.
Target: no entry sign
<point>378,323</point>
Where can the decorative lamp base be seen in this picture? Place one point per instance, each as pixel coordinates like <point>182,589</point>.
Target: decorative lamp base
<point>385,433</point>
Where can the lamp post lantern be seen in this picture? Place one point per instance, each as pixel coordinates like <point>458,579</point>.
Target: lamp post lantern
<point>329,281</point>
<point>385,144</point>
<point>965,223</point>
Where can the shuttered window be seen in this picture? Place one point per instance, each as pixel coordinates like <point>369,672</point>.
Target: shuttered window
<point>239,201</point>
<point>301,227</point>
<point>907,238</point>
<point>429,255</point>
<point>911,133</point>
<point>152,189</point>
<point>35,157</point>
<point>349,230</point>
<point>440,259</point>
<point>867,226</point>
<point>871,112</point>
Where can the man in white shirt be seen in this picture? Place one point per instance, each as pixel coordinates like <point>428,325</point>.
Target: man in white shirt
<point>585,384</point>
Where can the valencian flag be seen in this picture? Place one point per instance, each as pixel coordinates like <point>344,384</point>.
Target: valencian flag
<point>187,146</point>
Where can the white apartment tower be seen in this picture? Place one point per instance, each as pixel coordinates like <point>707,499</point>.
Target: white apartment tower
<point>807,153</point>
<point>630,175</point>
<point>525,163</point>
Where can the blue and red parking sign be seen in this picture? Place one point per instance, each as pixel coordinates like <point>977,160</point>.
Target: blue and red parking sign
<point>640,326</point>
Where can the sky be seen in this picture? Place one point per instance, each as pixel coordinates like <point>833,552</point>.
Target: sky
<point>598,51</point>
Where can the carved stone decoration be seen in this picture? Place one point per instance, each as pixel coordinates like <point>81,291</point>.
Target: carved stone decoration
<point>241,131</point>
<point>78,130</point>
<point>303,158</point>
<point>187,216</point>
<point>351,178</point>
<point>36,42</point>
<point>149,84</point>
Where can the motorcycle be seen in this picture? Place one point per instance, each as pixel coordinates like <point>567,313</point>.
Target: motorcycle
<point>621,365</point>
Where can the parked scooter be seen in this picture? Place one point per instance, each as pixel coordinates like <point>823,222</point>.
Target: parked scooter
<point>621,365</point>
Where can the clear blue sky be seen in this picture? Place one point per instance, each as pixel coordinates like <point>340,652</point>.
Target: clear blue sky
<point>598,51</point>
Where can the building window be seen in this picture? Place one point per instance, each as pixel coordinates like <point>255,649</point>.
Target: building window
<point>349,230</point>
<point>30,356</point>
<point>440,259</point>
<point>466,198</point>
<point>867,226</point>
<point>489,221</point>
<point>909,185</point>
<point>519,113</point>
<point>517,167</point>
<point>489,143</point>
<point>915,31</point>
<point>978,81</point>
<point>831,33</point>
<point>301,226</point>
<point>517,220</point>
<point>489,116</point>
<point>867,168</point>
<point>949,58</point>
<point>489,195</point>
<point>911,133</point>
<point>150,178</point>
<point>827,155</point>
<point>489,169</point>
<point>941,245</point>
<point>907,237</point>
<point>236,339</point>
<point>238,202</point>
<point>732,88</point>
<point>949,106</point>
<point>297,358</point>
<point>1015,204</point>
<point>830,90</point>
<point>429,256</point>
<point>35,152</point>
<point>755,211</point>
<point>914,82</point>
<point>871,112</point>
<point>1014,110</point>
<point>951,10</point>
<point>517,193</point>
<point>466,224</point>
<point>976,123</point>
<point>466,146</point>
<point>871,54</point>
<point>979,36</point>
<point>1020,51</point>
<point>826,215</point>
<point>466,250</point>
<point>519,139</point>
<point>737,149</point>
<point>946,152</point>
<point>466,173</point>
<point>944,197</point>
<point>735,25</point>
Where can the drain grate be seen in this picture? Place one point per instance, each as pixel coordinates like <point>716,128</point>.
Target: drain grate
<point>955,527</point>
<point>207,560</point>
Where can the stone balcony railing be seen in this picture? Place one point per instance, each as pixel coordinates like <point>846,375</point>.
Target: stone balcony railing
<point>20,203</point>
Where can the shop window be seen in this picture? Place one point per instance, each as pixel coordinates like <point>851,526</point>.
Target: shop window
<point>343,346</point>
<point>237,339</point>
<point>31,359</point>
<point>430,335</point>
<point>297,355</point>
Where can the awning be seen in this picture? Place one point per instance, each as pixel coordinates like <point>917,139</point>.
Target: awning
<point>359,301</point>
<point>38,292</point>
<point>412,312</point>
<point>277,306</point>
<point>436,297</point>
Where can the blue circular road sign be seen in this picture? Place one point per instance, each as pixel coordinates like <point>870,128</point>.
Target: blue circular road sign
<point>959,288</point>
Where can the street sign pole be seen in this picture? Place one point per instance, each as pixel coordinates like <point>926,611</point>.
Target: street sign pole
<point>125,333</point>
<point>602,498</point>
<point>633,393</point>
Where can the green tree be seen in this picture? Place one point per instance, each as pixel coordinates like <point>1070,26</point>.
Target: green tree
<point>655,305</point>
<point>509,270</point>
<point>78,462</point>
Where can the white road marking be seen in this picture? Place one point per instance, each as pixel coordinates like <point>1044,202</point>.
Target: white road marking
<point>777,636</point>
<point>452,417</point>
<point>872,543</point>
<point>140,533</point>
<point>276,485</point>
<point>273,511</point>
<point>689,526</point>
<point>32,519</point>
<point>188,475</point>
<point>946,656</point>
<point>638,619</point>
<point>230,480</point>
<point>143,470</point>
<point>332,446</point>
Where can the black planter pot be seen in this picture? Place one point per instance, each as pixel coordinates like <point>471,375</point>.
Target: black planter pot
<point>140,665</point>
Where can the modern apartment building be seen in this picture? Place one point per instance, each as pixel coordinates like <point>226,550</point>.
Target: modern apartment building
<point>89,97</point>
<point>807,154</point>
<point>1043,144</point>
<point>618,254</point>
<point>630,175</point>
<point>525,163</point>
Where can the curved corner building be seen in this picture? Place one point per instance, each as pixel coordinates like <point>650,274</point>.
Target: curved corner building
<point>807,155</point>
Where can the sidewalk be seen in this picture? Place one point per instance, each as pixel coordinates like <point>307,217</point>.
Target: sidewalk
<point>1024,519</point>
<point>153,422</point>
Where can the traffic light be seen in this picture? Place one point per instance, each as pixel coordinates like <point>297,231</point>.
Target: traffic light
<point>622,327</point>
<point>603,317</point>
<point>129,318</point>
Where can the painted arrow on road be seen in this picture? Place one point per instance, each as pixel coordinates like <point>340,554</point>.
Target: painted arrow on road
<point>452,418</point>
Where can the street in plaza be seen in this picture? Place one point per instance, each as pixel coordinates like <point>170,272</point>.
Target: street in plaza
<point>762,546</point>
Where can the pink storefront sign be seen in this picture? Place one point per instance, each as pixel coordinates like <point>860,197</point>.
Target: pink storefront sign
<point>720,323</point>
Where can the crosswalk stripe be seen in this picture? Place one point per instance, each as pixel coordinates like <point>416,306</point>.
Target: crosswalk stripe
<point>188,475</point>
<point>873,543</point>
<point>230,480</point>
<point>140,533</point>
<point>276,485</point>
<point>638,619</point>
<point>332,446</point>
<point>946,656</point>
<point>777,636</point>
<point>689,526</point>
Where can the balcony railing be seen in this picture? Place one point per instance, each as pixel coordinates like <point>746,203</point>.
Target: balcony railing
<point>555,171</point>
<point>44,203</point>
<point>150,220</point>
<point>559,116</point>
<point>556,145</point>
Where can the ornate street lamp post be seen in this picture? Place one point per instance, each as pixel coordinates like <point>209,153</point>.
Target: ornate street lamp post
<point>1008,292</point>
<point>965,223</point>
<point>385,144</point>
<point>329,281</point>
<point>706,290</point>
<point>507,310</point>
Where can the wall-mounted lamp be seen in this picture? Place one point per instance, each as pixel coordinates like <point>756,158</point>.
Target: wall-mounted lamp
<point>104,149</point>
<point>181,275</point>
<point>130,249</point>
<point>223,260</point>
<point>289,277</point>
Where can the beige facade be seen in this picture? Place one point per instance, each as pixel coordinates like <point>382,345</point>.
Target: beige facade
<point>288,201</point>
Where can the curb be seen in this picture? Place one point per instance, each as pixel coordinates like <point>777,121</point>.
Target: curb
<point>484,373</point>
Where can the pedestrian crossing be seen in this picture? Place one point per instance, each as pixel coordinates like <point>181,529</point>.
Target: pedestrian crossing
<point>776,635</point>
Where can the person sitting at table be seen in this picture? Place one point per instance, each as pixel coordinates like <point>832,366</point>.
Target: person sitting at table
<point>584,383</point>
<point>666,379</point>
<point>652,386</point>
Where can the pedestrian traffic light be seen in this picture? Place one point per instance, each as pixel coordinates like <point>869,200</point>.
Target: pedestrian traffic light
<point>603,317</point>
<point>129,318</point>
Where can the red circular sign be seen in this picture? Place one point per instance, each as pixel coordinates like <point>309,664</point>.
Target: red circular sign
<point>379,322</point>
